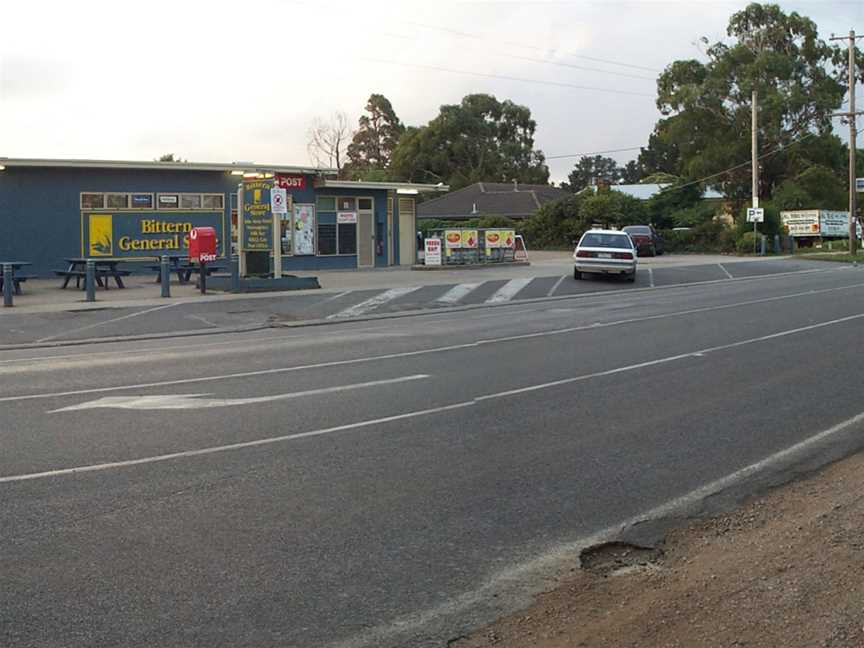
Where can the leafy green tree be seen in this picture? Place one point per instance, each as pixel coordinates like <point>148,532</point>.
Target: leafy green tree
<point>799,79</point>
<point>592,170</point>
<point>661,155</point>
<point>817,187</point>
<point>169,157</point>
<point>479,139</point>
<point>631,173</point>
<point>376,138</point>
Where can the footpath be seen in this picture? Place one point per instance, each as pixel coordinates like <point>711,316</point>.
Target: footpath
<point>786,569</point>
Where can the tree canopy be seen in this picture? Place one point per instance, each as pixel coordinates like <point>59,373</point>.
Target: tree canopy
<point>479,139</point>
<point>375,139</point>
<point>799,80</point>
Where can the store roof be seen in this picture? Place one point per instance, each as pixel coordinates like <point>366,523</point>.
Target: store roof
<point>398,187</point>
<point>491,198</point>
<point>170,166</point>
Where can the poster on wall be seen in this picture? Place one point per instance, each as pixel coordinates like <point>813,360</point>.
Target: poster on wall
<point>304,229</point>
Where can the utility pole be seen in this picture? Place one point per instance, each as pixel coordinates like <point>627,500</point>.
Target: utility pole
<point>754,155</point>
<point>853,137</point>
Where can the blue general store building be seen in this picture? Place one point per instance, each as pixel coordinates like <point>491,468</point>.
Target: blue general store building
<point>136,211</point>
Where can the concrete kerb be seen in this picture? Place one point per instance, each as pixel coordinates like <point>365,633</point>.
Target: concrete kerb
<point>391,316</point>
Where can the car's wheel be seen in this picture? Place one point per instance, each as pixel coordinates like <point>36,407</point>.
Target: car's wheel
<point>631,276</point>
<point>576,274</point>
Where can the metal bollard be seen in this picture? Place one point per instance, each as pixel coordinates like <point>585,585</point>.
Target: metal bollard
<point>235,273</point>
<point>8,284</point>
<point>762,248</point>
<point>203,278</point>
<point>90,280</point>
<point>777,248</point>
<point>165,276</point>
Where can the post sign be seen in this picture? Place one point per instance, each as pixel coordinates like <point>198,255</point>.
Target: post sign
<point>289,181</point>
<point>257,234</point>
<point>755,215</point>
<point>432,248</point>
<point>142,234</point>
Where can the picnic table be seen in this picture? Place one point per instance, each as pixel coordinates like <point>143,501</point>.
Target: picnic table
<point>183,268</point>
<point>16,277</point>
<point>105,269</point>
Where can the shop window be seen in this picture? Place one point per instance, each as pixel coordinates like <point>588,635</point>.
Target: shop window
<point>326,204</point>
<point>168,201</point>
<point>190,201</point>
<point>92,201</point>
<point>117,201</point>
<point>213,201</point>
<point>346,204</point>
<point>364,204</point>
<point>142,201</point>
<point>326,239</point>
<point>347,235</point>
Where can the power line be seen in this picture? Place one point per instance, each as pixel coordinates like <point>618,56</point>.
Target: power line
<point>463,34</point>
<point>559,84</point>
<point>740,166</point>
<point>573,155</point>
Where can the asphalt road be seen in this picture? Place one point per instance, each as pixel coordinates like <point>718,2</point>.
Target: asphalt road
<point>395,483</point>
<point>80,323</point>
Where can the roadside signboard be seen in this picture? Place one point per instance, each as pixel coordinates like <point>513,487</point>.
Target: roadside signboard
<point>469,239</point>
<point>500,238</point>
<point>432,249</point>
<point>834,223</point>
<point>257,235</point>
<point>755,215</point>
<point>859,184</point>
<point>346,218</point>
<point>801,223</point>
<point>131,234</point>
<point>453,239</point>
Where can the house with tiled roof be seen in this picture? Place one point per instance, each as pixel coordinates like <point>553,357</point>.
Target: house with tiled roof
<point>481,199</point>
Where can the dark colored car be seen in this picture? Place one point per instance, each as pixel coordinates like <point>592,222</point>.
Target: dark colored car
<point>646,239</point>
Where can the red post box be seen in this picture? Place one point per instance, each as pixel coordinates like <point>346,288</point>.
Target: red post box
<point>202,244</point>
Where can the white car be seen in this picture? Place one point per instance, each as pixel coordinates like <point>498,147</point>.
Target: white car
<point>605,252</point>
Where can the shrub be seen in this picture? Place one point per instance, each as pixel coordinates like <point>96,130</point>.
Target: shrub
<point>746,243</point>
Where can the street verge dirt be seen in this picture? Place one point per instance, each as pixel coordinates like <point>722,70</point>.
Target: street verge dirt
<point>785,569</point>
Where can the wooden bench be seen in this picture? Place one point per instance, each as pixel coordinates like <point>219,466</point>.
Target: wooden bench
<point>99,273</point>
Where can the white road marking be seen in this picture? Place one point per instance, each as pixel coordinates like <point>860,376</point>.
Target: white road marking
<point>457,292</point>
<point>426,412</point>
<point>537,571</point>
<point>508,291</point>
<point>651,276</point>
<point>681,356</point>
<point>373,302</point>
<point>232,446</point>
<point>725,271</point>
<point>419,352</point>
<point>110,321</point>
<point>555,287</point>
<point>199,401</point>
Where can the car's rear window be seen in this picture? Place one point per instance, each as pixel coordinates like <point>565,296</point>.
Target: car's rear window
<point>605,241</point>
<point>637,229</point>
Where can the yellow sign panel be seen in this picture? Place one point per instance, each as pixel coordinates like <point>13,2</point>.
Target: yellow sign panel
<point>101,242</point>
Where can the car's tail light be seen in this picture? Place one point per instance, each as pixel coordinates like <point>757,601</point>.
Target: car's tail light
<point>622,255</point>
<point>585,253</point>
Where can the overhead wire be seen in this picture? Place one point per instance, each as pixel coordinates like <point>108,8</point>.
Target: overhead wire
<point>504,77</point>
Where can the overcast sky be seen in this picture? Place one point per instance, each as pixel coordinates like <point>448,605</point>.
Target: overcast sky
<point>222,81</point>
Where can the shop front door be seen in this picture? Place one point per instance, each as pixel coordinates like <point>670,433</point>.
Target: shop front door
<point>365,240</point>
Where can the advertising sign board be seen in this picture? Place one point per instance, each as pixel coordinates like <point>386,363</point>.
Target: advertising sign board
<point>500,238</point>
<point>834,223</point>
<point>469,239</point>
<point>452,239</point>
<point>432,248</point>
<point>133,234</point>
<point>801,223</point>
<point>257,234</point>
<point>304,229</point>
